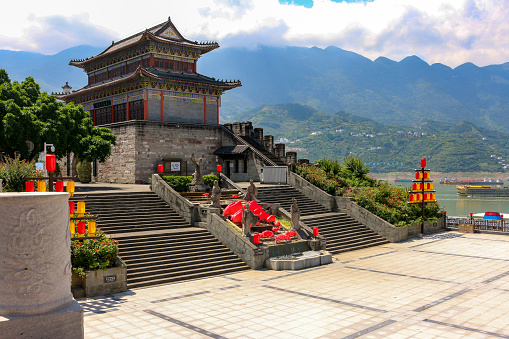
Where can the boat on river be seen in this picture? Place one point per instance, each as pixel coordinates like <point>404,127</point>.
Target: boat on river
<point>402,180</point>
<point>486,181</point>
<point>482,191</point>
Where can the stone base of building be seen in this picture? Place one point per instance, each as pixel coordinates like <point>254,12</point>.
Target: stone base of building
<point>66,322</point>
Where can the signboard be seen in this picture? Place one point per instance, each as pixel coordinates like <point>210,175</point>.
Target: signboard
<point>110,278</point>
<point>175,166</point>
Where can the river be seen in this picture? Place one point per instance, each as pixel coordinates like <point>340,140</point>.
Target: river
<point>463,206</point>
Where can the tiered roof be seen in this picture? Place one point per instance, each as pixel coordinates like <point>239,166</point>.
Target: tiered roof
<point>164,32</point>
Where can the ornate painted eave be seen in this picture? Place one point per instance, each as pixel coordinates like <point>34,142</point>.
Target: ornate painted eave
<point>156,74</point>
<point>164,33</point>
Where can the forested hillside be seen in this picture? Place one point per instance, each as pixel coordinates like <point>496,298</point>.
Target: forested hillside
<point>384,147</point>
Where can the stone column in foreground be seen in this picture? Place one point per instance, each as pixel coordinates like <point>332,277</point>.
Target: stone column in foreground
<point>35,267</point>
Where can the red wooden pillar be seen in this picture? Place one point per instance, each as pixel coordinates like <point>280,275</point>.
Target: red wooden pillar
<point>152,63</point>
<point>127,108</point>
<point>145,106</point>
<point>112,111</point>
<point>205,109</point>
<point>217,109</point>
<point>162,106</point>
<point>194,67</point>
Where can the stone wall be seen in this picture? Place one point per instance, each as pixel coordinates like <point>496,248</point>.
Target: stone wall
<point>140,144</point>
<point>313,192</point>
<point>232,239</point>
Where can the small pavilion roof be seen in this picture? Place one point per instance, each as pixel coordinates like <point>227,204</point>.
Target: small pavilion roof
<point>230,150</point>
<point>164,32</point>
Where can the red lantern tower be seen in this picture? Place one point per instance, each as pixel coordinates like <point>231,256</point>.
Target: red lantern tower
<point>422,189</point>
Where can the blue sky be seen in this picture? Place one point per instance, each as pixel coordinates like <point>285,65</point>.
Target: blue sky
<point>451,32</point>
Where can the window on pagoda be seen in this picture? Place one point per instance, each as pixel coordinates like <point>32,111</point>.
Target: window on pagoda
<point>103,115</point>
<point>91,79</point>
<point>133,66</point>
<point>117,72</point>
<point>101,77</point>
<point>136,110</point>
<point>145,62</point>
<point>120,112</point>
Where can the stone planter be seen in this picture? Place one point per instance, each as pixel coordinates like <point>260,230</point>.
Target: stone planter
<point>100,282</point>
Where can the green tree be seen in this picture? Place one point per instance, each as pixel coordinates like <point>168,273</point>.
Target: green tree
<point>26,114</point>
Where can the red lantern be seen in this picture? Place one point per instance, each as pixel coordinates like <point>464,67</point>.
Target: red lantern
<point>423,162</point>
<point>219,168</point>
<point>256,237</point>
<point>501,216</point>
<point>471,214</point>
<point>81,227</point>
<point>29,186</point>
<point>59,186</point>
<point>71,207</point>
<point>160,168</point>
<point>51,162</point>
<point>315,231</point>
<point>445,212</point>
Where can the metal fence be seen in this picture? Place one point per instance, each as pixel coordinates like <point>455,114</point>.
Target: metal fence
<point>499,226</point>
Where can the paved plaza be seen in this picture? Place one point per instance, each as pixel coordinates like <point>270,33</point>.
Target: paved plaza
<point>447,285</point>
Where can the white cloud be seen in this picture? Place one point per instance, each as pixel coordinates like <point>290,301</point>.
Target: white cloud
<point>450,32</point>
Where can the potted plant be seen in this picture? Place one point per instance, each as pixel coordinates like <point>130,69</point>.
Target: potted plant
<point>96,267</point>
<point>84,169</point>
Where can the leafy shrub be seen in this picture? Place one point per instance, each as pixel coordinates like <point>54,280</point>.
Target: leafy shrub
<point>318,177</point>
<point>209,179</point>
<point>178,183</point>
<point>181,183</point>
<point>13,171</point>
<point>92,254</point>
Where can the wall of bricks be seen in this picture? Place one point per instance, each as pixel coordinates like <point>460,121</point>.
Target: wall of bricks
<point>140,144</point>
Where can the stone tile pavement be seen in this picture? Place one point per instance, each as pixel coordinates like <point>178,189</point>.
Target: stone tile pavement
<point>448,285</point>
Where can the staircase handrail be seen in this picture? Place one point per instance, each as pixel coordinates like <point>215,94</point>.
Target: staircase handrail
<point>252,148</point>
<point>181,205</point>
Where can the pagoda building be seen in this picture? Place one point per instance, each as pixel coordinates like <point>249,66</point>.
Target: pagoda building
<point>150,76</point>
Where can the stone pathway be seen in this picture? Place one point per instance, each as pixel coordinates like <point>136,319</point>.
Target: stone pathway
<point>448,285</point>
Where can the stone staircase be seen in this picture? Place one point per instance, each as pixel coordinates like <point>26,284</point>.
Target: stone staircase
<point>342,232</point>
<point>157,244</point>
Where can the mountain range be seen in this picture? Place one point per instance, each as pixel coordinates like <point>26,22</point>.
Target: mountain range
<point>330,80</point>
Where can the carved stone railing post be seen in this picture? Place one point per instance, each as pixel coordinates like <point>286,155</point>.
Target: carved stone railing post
<point>35,267</point>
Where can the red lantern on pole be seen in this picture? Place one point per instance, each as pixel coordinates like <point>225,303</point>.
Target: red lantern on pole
<point>256,238</point>
<point>219,168</point>
<point>315,231</point>
<point>471,214</point>
<point>160,168</point>
<point>423,162</point>
<point>29,186</point>
<point>59,186</point>
<point>51,162</point>
<point>445,212</point>
<point>71,207</point>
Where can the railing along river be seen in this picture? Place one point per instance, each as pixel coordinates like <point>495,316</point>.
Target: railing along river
<point>499,226</point>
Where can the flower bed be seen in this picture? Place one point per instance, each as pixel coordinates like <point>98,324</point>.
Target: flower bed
<point>386,201</point>
<point>93,254</point>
